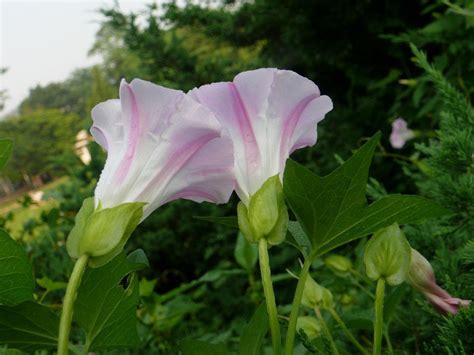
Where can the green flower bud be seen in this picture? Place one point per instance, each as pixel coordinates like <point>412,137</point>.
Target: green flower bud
<point>102,233</point>
<point>347,299</point>
<point>327,299</point>
<point>312,293</point>
<point>310,325</point>
<point>315,295</point>
<point>338,264</point>
<point>388,255</point>
<point>266,215</point>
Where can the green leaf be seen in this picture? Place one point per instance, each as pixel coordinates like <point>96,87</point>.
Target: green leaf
<point>225,221</point>
<point>245,253</point>
<point>28,326</point>
<point>6,146</point>
<point>298,238</point>
<point>50,285</point>
<point>254,332</point>
<point>106,303</point>
<point>198,347</point>
<point>16,275</point>
<point>333,209</point>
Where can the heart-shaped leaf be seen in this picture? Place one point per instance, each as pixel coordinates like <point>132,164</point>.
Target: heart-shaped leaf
<point>254,332</point>
<point>28,326</point>
<point>106,303</point>
<point>16,275</point>
<point>333,209</point>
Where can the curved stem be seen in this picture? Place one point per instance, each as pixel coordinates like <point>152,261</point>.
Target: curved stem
<point>347,332</point>
<point>378,324</point>
<point>295,308</point>
<point>68,304</point>
<point>326,331</point>
<point>269,295</point>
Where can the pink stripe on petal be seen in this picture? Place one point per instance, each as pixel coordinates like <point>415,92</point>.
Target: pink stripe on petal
<point>179,158</point>
<point>251,147</point>
<point>133,136</point>
<point>192,193</point>
<point>290,124</point>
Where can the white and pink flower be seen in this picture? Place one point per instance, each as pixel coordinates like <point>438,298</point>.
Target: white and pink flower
<point>162,145</point>
<point>400,133</point>
<point>268,113</point>
<point>422,278</point>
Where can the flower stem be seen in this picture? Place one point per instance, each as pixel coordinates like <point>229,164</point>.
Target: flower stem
<point>378,325</point>
<point>68,304</point>
<point>326,331</point>
<point>269,295</point>
<point>347,332</point>
<point>295,308</point>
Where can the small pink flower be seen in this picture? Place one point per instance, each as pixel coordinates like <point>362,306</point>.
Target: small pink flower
<point>400,133</point>
<point>422,278</point>
<point>161,145</point>
<point>268,113</point>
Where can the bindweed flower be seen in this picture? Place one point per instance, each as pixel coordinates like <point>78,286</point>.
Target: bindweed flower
<point>161,146</point>
<point>422,278</point>
<point>387,255</point>
<point>268,113</point>
<point>400,133</point>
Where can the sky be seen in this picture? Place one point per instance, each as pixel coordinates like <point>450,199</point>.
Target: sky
<point>44,41</point>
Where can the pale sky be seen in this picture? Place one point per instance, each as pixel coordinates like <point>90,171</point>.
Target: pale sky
<point>44,41</point>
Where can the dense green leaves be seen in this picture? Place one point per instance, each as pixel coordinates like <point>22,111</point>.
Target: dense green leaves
<point>333,209</point>
<point>16,276</point>
<point>106,303</point>
<point>28,326</point>
<point>40,138</point>
<point>6,146</point>
<point>252,337</point>
<point>198,347</point>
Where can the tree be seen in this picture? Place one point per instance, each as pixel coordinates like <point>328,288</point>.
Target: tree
<point>37,138</point>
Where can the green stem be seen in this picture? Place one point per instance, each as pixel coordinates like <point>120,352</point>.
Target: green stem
<point>295,308</point>
<point>346,331</point>
<point>386,335</point>
<point>378,324</point>
<point>68,304</point>
<point>326,331</point>
<point>269,295</point>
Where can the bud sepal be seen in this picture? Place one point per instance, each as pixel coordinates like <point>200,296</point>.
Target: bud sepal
<point>102,233</point>
<point>266,215</point>
<point>388,255</point>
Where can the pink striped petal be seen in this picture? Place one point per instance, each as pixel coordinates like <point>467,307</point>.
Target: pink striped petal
<point>268,113</point>
<point>170,147</point>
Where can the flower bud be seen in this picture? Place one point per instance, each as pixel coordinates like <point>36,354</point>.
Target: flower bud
<point>338,264</point>
<point>388,255</point>
<point>327,300</point>
<point>266,215</point>
<point>315,295</point>
<point>102,233</point>
<point>422,278</point>
<point>312,293</point>
<point>310,326</point>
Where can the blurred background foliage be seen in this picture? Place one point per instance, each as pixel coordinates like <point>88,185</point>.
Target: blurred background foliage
<point>198,285</point>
